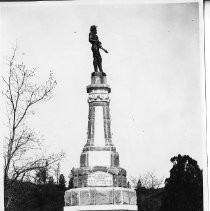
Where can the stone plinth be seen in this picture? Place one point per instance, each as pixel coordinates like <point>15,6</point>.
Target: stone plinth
<point>81,175</point>
<point>91,156</point>
<point>102,208</point>
<point>100,196</point>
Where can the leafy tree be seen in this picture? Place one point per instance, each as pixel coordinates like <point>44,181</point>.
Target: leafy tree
<point>71,179</point>
<point>139,185</point>
<point>62,182</point>
<point>51,180</point>
<point>71,184</point>
<point>184,188</point>
<point>41,176</point>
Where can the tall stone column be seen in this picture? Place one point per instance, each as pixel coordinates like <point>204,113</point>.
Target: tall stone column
<point>98,101</point>
<point>107,125</point>
<point>91,121</point>
<point>99,138</point>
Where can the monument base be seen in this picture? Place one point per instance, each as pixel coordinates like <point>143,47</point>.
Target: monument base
<point>102,208</point>
<point>99,196</point>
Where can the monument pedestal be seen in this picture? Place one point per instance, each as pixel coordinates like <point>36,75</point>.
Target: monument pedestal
<point>99,183</point>
<point>100,196</point>
<point>102,208</point>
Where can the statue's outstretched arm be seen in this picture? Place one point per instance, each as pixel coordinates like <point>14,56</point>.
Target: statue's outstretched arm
<point>103,49</point>
<point>97,43</point>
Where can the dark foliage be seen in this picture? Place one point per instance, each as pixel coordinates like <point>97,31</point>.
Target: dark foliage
<point>22,195</point>
<point>71,183</point>
<point>41,176</point>
<point>51,180</point>
<point>28,196</point>
<point>62,182</point>
<point>148,199</point>
<point>184,188</point>
<point>50,197</point>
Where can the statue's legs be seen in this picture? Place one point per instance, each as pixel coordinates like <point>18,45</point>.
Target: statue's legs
<point>100,68</point>
<point>97,60</point>
<point>95,64</point>
<point>100,64</point>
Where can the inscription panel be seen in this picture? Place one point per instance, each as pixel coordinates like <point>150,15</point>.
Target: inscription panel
<point>100,178</point>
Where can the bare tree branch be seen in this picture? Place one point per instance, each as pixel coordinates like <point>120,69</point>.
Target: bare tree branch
<point>21,95</point>
<point>21,143</point>
<point>148,180</point>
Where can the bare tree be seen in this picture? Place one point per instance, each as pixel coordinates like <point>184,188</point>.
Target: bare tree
<point>148,180</point>
<point>57,172</point>
<point>22,147</point>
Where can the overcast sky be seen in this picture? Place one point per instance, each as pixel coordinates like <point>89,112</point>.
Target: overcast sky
<point>153,68</point>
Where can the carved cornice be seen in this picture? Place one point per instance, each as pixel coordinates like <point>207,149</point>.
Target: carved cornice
<point>95,148</point>
<point>98,97</point>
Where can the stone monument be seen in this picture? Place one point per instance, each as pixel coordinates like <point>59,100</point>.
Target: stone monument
<point>99,183</point>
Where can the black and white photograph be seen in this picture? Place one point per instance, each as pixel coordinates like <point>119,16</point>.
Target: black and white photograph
<point>103,106</point>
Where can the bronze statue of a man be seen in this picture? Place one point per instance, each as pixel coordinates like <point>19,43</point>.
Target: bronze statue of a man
<point>96,45</point>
